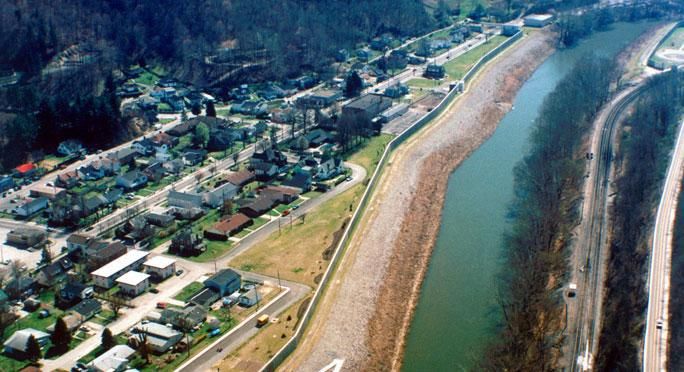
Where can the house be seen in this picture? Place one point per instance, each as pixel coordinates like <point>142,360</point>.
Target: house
<point>131,180</point>
<point>241,178</point>
<point>160,338</point>
<point>281,194</point>
<point>433,71</point>
<point>78,241</point>
<point>99,253</point>
<point>258,206</point>
<point>113,360</point>
<point>6,183</point>
<point>397,90</point>
<point>128,90</point>
<point>26,237</point>
<point>251,107</point>
<point>105,276</point>
<point>342,55</point>
<point>369,105</point>
<point>31,206</point>
<point>67,180</point>
<point>124,156</point>
<point>300,180</point>
<point>25,170</point>
<point>75,291</point>
<point>112,196</point>
<point>184,128</point>
<point>538,20</point>
<point>155,171</point>
<point>19,288</point>
<point>269,156</point>
<point>16,344</point>
<point>304,82</point>
<point>184,199</point>
<point>133,283</point>
<point>87,308</point>
<point>161,220</point>
<point>438,44</point>
<point>393,112</point>
<point>363,55</point>
<point>144,146</point>
<point>162,154</point>
<point>174,166</point>
<point>319,99</point>
<point>147,103</point>
<point>223,229</point>
<point>187,317</point>
<point>50,192</point>
<point>265,171</point>
<point>54,272</point>
<point>70,147</point>
<point>318,137</point>
<point>250,298</point>
<point>220,193</point>
<point>194,157</point>
<point>162,138</point>
<point>160,267</point>
<point>168,83</point>
<point>90,173</point>
<point>272,92</point>
<point>225,282</point>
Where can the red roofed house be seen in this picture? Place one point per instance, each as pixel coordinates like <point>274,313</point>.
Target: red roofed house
<point>26,170</point>
<point>226,227</point>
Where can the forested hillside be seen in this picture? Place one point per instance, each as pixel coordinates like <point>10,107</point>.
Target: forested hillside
<point>180,34</point>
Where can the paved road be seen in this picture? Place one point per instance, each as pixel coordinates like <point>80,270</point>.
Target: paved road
<point>587,271</point>
<point>656,337</point>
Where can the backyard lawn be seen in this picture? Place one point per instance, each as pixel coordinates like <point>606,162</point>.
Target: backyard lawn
<point>188,291</point>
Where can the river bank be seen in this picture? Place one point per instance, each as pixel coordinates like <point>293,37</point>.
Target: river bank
<point>451,139</point>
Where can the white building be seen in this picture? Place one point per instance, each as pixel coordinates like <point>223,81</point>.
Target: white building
<point>112,360</point>
<point>538,20</point>
<point>133,283</point>
<point>160,338</point>
<point>160,267</point>
<point>105,276</point>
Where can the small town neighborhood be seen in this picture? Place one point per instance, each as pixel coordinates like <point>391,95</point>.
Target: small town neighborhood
<point>145,225</point>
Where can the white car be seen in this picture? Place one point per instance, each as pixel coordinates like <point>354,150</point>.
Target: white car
<point>659,323</point>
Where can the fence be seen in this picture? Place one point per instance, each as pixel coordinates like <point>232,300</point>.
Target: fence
<point>290,346</point>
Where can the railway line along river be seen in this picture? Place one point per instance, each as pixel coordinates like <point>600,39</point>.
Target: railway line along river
<point>457,312</point>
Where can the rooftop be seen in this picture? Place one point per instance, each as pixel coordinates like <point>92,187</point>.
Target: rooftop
<point>112,359</point>
<point>120,263</point>
<point>132,278</point>
<point>159,262</point>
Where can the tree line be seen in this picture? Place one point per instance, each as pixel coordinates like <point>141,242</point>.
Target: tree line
<point>643,159</point>
<point>547,183</point>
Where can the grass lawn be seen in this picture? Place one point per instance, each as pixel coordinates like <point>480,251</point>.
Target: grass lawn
<point>165,121</point>
<point>214,250</point>
<point>674,41</point>
<point>223,112</point>
<point>10,364</point>
<point>147,78</point>
<point>188,291</point>
<point>258,222</point>
<point>458,66</point>
<point>422,83</point>
<point>103,317</point>
<point>297,252</point>
<point>312,194</point>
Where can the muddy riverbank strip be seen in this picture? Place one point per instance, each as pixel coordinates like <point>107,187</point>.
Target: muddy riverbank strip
<point>474,119</point>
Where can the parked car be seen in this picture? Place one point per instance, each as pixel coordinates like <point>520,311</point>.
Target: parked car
<point>154,290</point>
<point>179,272</point>
<point>161,305</point>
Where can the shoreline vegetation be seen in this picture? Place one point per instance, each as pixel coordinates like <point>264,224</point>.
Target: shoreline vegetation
<point>547,183</point>
<point>387,330</point>
<point>645,144</point>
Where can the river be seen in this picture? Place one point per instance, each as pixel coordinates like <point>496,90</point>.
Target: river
<point>457,312</point>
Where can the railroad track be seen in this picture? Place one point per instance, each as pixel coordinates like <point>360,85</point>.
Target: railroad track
<point>587,327</point>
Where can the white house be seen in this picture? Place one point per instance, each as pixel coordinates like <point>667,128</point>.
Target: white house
<point>160,267</point>
<point>69,147</point>
<point>160,338</point>
<point>131,180</point>
<point>133,283</point>
<point>105,276</point>
<point>112,360</point>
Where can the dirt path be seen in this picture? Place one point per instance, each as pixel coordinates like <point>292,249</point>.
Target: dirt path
<point>364,317</point>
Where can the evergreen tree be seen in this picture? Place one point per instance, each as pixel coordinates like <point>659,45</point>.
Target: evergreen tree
<point>61,337</point>
<point>108,340</point>
<point>33,352</point>
<point>353,85</point>
<point>201,135</point>
<point>211,110</point>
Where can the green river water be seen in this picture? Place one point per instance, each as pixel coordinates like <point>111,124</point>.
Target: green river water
<point>456,315</point>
